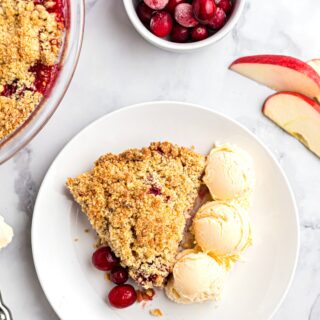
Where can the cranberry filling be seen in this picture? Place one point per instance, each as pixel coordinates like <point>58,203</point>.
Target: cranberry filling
<point>9,90</point>
<point>155,190</point>
<point>44,76</point>
<point>57,7</point>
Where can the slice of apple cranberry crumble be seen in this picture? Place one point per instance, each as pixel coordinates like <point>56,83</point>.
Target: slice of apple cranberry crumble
<point>138,203</point>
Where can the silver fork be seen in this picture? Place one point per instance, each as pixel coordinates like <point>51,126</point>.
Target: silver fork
<point>5,313</point>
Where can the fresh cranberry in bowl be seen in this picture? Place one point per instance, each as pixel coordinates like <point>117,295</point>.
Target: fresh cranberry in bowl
<point>184,15</point>
<point>104,259</point>
<point>180,34</point>
<point>122,296</point>
<point>144,12</point>
<point>218,20</point>
<point>204,10</point>
<point>199,33</point>
<point>225,5</point>
<point>161,24</point>
<point>156,4</point>
<point>119,275</point>
<point>171,6</point>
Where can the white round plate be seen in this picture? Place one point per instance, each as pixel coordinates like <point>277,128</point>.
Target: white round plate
<point>62,249</point>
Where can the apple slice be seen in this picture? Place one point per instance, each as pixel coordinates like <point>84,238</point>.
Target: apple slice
<point>315,64</point>
<point>296,114</point>
<point>281,73</point>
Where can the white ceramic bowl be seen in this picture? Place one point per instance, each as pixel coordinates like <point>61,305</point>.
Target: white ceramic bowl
<point>130,6</point>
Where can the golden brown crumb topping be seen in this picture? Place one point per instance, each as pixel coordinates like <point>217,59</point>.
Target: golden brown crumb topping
<point>137,202</point>
<point>29,36</point>
<point>156,312</point>
<point>145,295</point>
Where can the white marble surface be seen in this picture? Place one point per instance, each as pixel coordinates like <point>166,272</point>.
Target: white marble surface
<point>118,68</point>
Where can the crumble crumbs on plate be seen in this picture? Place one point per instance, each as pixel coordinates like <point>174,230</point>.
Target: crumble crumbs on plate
<point>156,312</point>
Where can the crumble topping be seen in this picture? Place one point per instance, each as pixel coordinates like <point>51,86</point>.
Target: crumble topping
<point>138,202</point>
<point>145,295</point>
<point>30,42</point>
<point>156,313</point>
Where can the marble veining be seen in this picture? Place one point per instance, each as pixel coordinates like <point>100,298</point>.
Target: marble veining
<point>90,4</point>
<point>118,68</point>
<point>25,187</point>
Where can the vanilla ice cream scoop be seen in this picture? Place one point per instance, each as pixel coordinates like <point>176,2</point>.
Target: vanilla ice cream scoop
<point>6,233</point>
<point>196,277</point>
<point>222,230</point>
<point>229,172</point>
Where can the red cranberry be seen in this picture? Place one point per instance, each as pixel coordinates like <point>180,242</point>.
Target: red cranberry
<point>184,15</point>
<point>104,259</point>
<point>122,296</point>
<point>44,76</point>
<point>225,5</point>
<point>204,10</point>
<point>156,4</point>
<point>119,275</point>
<point>180,34</point>
<point>199,33</point>
<point>57,7</point>
<point>161,24</point>
<point>9,90</point>
<point>144,12</point>
<point>172,5</point>
<point>219,19</point>
<point>155,190</point>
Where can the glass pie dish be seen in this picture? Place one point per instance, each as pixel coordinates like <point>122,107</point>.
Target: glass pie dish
<point>68,59</point>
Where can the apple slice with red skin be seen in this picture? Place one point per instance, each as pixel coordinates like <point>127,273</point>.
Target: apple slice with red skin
<point>281,73</point>
<point>315,64</point>
<point>296,114</point>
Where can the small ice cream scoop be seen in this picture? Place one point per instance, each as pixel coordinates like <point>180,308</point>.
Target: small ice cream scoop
<point>196,277</point>
<point>222,230</point>
<point>6,233</point>
<point>229,172</point>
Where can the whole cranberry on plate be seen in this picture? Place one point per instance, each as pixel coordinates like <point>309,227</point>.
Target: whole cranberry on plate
<point>161,24</point>
<point>203,10</point>
<point>122,296</point>
<point>104,259</point>
<point>119,275</point>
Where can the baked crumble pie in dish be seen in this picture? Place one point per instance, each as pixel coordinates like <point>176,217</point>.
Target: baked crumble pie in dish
<point>40,42</point>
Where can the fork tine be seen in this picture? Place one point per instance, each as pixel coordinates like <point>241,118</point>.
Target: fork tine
<point>5,313</point>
